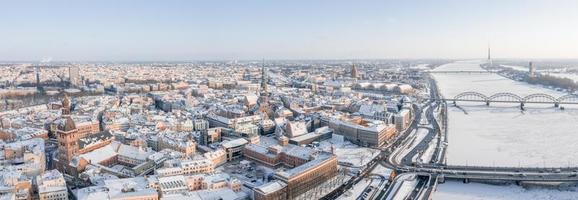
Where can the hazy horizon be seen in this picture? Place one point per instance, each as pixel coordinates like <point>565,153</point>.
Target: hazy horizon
<point>296,30</point>
<point>495,60</point>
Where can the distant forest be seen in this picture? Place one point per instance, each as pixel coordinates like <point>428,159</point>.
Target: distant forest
<point>559,82</point>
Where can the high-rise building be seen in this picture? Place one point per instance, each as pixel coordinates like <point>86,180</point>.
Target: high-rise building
<point>532,70</point>
<point>74,76</point>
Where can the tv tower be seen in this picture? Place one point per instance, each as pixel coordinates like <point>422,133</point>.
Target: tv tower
<point>489,56</point>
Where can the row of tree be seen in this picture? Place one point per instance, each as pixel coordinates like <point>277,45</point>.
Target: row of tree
<point>558,82</point>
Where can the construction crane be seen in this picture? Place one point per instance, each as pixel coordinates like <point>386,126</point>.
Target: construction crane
<point>20,72</point>
<point>62,77</point>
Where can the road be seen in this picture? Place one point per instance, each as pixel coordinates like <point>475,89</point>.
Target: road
<point>372,190</point>
<point>425,182</point>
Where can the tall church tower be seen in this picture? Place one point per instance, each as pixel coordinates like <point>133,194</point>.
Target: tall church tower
<point>264,89</point>
<point>264,107</point>
<point>354,73</point>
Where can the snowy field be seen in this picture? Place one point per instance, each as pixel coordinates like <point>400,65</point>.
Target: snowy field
<point>420,66</point>
<point>476,191</point>
<point>381,170</point>
<point>503,135</point>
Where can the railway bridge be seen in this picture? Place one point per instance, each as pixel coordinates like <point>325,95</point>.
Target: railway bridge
<point>508,97</point>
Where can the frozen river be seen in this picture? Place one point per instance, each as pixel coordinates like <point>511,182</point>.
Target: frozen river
<point>502,134</point>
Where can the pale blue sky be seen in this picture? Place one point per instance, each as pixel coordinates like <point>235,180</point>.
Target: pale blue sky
<point>333,29</point>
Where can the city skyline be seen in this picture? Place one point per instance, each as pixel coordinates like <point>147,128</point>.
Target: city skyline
<point>182,31</point>
<point>288,100</point>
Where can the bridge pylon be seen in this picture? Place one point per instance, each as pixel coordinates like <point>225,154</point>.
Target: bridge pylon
<point>522,105</point>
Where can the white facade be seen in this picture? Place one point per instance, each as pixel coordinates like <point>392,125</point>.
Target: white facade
<point>52,186</point>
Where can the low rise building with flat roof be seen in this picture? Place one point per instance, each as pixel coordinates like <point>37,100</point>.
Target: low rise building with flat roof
<point>234,148</point>
<point>360,131</point>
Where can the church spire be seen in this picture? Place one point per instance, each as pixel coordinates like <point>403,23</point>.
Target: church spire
<point>263,79</point>
<point>354,73</point>
<point>264,107</point>
<point>66,105</point>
